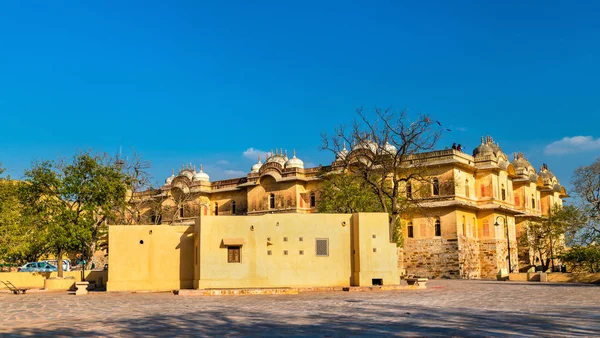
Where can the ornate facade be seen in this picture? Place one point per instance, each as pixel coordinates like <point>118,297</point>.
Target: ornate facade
<point>467,208</point>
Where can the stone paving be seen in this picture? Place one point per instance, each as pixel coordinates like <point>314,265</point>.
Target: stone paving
<point>446,308</point>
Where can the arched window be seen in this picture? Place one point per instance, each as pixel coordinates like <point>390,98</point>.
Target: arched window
<point>216,209</point>
<point>464,225</point>
<point>233,208</point>
<point>467,189</point>
<point>411,233</point>
<point>503,193</point>
<point>438,227</point>
<point>408,190</point>
<point>272,201</point>
<point>436,187</point>
<point>313,200</point>
<point>532,202</point>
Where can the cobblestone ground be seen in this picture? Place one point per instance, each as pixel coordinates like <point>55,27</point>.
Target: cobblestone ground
<point>446,308</point>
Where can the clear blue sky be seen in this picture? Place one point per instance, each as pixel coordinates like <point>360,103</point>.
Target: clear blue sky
<point>186,81</point>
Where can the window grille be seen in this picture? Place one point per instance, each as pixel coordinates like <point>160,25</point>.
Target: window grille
<point>322,246</point>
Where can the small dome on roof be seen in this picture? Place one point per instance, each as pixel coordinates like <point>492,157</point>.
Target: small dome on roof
<point>170,178</point>
<point>342,154</point>
<point>294,162</point>
<point>256,167</point>
<point>201,176</point>
<point>388,149</point>
<point>187,172</point>
<point>483,150</point>
<point>520,162</point>
<point>367,144</point>
<point>277,158</point>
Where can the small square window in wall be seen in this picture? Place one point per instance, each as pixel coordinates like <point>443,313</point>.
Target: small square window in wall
<point>233,254</point>
<point>301,252</point>
<point>374,236</point>
<point>322,247</point>
<point>374,249</point>
<point>285,239</point>
<point>300,239</point>
<point>285,252</point>
<point>269,252</point>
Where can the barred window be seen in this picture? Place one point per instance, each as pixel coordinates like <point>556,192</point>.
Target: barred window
<point>322,246</point>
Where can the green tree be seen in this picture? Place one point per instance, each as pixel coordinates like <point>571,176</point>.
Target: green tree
<point>68,204</point>
<point>546,236</point>
<point>344,193</point>
<point>582,258</point>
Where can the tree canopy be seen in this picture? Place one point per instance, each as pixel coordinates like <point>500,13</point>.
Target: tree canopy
<point>64,206</point>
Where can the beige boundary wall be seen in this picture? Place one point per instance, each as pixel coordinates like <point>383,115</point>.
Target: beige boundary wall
<point>276,250</point>
<point>35,280</point>
<point>559,277</point>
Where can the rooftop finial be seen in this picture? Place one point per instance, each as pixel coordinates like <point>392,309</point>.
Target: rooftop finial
<point>294,153</point>
<point>259,158</point>
<point>173,172</point>
<point>200,167</point>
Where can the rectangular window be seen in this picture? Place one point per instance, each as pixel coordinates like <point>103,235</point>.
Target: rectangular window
<point>410,231</point>
<point>322,247</point>
<point>233,254</point>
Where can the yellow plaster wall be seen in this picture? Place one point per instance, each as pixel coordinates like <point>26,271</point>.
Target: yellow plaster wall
<point>179,257</point>
<point>163,262</point>
<point>374,257</point>
<point>35,280</point>
<point>258,268</point>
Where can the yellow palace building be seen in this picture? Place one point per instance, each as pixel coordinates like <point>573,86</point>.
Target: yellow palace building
<point>467,209</point>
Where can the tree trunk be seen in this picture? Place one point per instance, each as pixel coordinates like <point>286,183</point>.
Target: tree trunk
<point>59,264</point>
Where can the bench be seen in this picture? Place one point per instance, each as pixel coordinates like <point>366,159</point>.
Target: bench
<point>13,288</point>
<point>417,281</point>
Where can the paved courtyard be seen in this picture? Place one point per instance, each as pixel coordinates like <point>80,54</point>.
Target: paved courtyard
<point>446,308</point>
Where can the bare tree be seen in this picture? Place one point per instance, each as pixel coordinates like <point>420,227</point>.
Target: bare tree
<point>384,145</point>
<point>586,185</point>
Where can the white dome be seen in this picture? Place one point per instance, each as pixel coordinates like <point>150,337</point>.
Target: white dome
<point>342,154</point>
<point>256,167</point>
<point>388,149</point>
<point>367,144</point>
<point>187,172</point>
<point>170,178</point>
<point>201,176</point>
<point>277,157</point>
<point>294,162</point>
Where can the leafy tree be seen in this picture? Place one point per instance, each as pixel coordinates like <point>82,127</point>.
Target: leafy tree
<point>583,258</point>
<point>384,145</point>
<point>546,237</point>
<point>344,193</point>
<point>69,203</point>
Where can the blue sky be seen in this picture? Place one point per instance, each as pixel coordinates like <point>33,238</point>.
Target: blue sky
<point>189,81</point>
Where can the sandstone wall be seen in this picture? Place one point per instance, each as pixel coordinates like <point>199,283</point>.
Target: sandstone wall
<point>432,258</point>
<point>468,258</point>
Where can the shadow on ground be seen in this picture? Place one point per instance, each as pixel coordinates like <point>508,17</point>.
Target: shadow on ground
<point>378,320</point>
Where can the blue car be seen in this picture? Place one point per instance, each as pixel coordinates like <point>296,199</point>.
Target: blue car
<point>38,267</point>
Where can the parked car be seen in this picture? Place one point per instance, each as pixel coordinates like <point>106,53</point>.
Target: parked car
<point>38,267</point>
<point>66,264</point>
